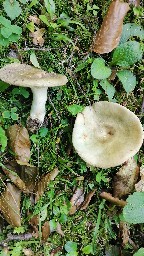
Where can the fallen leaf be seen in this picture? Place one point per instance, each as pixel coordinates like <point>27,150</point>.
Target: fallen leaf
<point>38,36</point>
<point>28,252</point>
<point>139,187</point>
<point>45,231</point>
<point>22,175</point>
<point>43,183</point>
<point>10,205</point>
<point>19,142</point>
<point>59,229</point>
<point>35,19</point>
<point>113,200</point>
<point>124,232</point>
<point>87,200</point>
<point>108,36</point>
<point>125,178</point>
<point>76,200</point>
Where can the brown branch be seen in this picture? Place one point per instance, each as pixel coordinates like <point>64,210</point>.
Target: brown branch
<point>113,200</point>
<point>20,237</point>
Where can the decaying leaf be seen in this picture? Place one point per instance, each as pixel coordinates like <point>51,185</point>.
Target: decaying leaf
<point>35,19</point>
<point>45,231</point>
<point>19,142</point>
<point>124,232</point>
<point>10,205</point>
<point>28,252</point>
<point>125,178</point>
<point>108,37</point>
<point>87,200</point>
<point>59,229</point>
<point>38,36</point>
<point>113,200</point>
<point>76,200</point>
<point>43,183</point>
<point>139,187</point>
<point>22,175</point>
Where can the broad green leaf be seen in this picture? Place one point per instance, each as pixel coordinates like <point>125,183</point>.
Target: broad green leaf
<point>16,29</point>
<point>127,54</point>
<point>50,6</point>
<point>3,86</point>
<point>88,249</point>
<point>14,38</point>
<point>34,60</point>
<point>130,30</point>
<point>71,246</point>
<point>99,70</point>
<point>6,114</point>
<point>44,19</point>
<point>140,252</point>
<point>21,91</point>
<point>4,41</point>
<point>3,139</point>
<point>83,64</point>
<point>133,212</point>
<point>12,8</point>
<point>128,80</point>
<point>5,22</point>
<point>43,131</point>
<point>109,89</point>
<point>72,254</point>
<point>6,32</point>
<point>75,109</point>
<point>14,116</point>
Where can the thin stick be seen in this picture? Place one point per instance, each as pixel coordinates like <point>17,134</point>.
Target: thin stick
<point>113,200</point>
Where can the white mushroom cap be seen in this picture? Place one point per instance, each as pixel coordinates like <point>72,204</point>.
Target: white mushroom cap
<point>28,76</point>
<point>107,134</point>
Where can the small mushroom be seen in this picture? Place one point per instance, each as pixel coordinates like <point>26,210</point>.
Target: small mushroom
<point>38,80</point>
<point>107,134</point>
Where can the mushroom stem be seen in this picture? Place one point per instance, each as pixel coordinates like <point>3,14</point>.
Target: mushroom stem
<point>38,104</point>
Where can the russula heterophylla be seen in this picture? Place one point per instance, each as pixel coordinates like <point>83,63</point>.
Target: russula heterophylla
<point>38,80</point>
<point>107,134</point>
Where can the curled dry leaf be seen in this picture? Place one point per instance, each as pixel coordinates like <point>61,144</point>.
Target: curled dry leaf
<point>22,175</point>
<point>34,19</point>
<point>45,231</point>
<point>125,178</point>
<point>10,205</point>
<point>76,200</point>
<point>108,37</point>
<point>139,187</point>
<point>28,252</point>
<point>19,142</point>
<point>38,36</point>
<point>87,200</point>
<point>43,183</point>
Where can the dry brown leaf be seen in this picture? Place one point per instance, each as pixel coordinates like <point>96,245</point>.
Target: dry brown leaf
<point>76,200</point>
<point>45,231</point>
<point>28,252</point>
<point>10,205</point>
<point>34,19</point>
<point>124,232</point>
<point>139,187</point>
<point>19,142</point>
<point>108,36</point>
<point>38,36</point>
<point>113,200</point>
<point>87,200</point>
<point>125,178</point>
<point>43,183</point>
<point>23,176</point>
<point>59,229</point>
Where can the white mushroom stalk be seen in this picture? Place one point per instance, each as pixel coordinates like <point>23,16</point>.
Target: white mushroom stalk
<point>107,134</point>
<point>38,80</point>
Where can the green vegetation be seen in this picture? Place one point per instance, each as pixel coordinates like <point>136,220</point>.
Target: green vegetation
<point>57,36</point>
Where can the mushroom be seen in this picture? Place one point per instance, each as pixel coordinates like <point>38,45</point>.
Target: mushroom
<point>38,80</point>
<point>107,134</point>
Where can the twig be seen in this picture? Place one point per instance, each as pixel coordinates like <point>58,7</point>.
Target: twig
<point>11,237</point>
<point>113,200</point>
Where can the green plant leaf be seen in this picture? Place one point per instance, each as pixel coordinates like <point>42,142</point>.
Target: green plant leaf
<point>13,38</point>
<point>75,109</point>
<point>3,139</point>
<point>6,32</point>
<point>3,86</point>
<point>6,114</point>
<point>44,19</point>
<point>50,6</point>
<point>12,8</point>
<point>34,60</point>
<point>21,91</point>
<point>140,252</point>
<point>14,116</point>
<point>43,131</point>
<point>5,22</point>
<point>127,54</point>
<point>109,89</point>
<point>3,41</point>
<point>133,212</point>
<point>128,80</point>
<point>130,30</point>
<point>70,246</point>
<point>88,249</point>
<point>99,70</point>
<point>16,29</point>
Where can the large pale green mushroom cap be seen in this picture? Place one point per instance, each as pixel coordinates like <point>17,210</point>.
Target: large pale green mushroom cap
<point>107,134</point>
